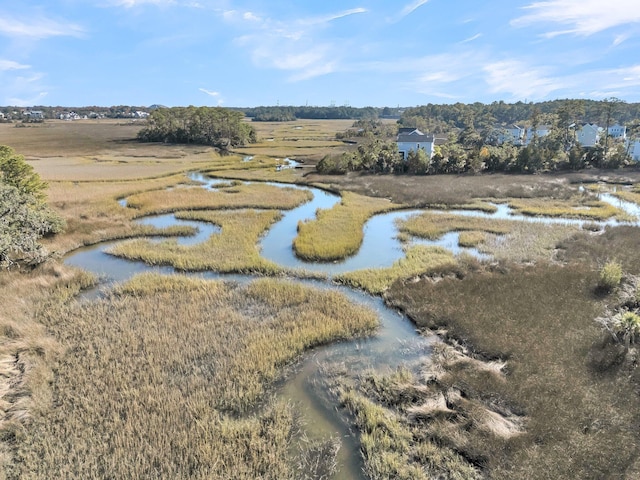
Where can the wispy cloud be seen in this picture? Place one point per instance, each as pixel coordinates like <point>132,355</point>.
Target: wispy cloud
<point>329,18</point>
<point>410,8</point>
<point>520,80</point>
<point>38,28</point>
<point>210,92</point>
<point>25,102</point>
<point>295,46</point>
<point>471,39</point>
<point>6,65</point>
<point>582,17</point>
<point>214,94</point>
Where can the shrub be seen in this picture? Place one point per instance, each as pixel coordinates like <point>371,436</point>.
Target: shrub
<point>610,276</point>
<point>628,327</point>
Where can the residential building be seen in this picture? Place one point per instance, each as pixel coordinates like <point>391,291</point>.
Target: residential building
<point>589,135</point>
<point>634,151</point>
<point>34,114</point>
<point>618,131</point>
<point>541,131</point>
<point>412,139</point>
<point>513,134</point>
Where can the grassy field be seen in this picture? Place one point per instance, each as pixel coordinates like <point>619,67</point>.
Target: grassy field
<point>525,384</point>
<point>189,366</point>
<point>540,323</point>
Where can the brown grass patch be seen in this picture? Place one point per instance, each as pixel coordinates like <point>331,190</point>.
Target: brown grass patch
<point>541,321</point>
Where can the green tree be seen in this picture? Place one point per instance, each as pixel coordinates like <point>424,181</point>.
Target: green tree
<point>418,162</point>
<point>24,216</point>
<point>16,172</point>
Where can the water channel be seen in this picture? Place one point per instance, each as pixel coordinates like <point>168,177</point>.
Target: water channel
<point>395,343</point>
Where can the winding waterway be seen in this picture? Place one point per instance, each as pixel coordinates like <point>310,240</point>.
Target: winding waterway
<point>396,342</point>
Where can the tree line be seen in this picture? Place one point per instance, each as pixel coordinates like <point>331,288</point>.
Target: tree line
<point>216,126</point>
<point>473,140</point>
<point>344,112</point>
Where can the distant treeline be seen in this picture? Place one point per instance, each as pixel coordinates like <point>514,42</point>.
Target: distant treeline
<point>215,126</point>
<point>289,113</point>
<point>441,118</point>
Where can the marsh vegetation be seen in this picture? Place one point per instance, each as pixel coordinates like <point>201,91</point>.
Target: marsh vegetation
<point>177,376</point>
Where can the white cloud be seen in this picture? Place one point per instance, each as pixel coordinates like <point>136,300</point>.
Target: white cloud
<point>38,28</point>
<point>410,8</point>
<point>6,65</point>
<point>210,92</point>
<point>583,17</point>
<point>25,102</point>
<point>250,16</point>
<point>293,46</point>
<point>520,80</point>
<point>329,18</point>
<point>471,39</point>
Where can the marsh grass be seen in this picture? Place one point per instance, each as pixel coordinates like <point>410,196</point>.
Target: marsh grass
<point>453,190</point>
<point>302,139</point>
<point>471,238</point>
<point>234,249</point>
<point>576,207</point>
<point>239,196</point>
<point>630,196</point>
<point>183,360</point>
<point>419,260</point>
<point>393,446</point>
<point>528,242</point>
<point>337,233</point>
<point>541,321</point>
<point>433,225</point>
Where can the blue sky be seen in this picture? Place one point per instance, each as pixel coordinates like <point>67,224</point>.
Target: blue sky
<point>356,52</point>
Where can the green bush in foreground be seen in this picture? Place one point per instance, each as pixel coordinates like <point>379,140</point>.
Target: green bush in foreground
<point>628,327</point>
<point>610,276</point>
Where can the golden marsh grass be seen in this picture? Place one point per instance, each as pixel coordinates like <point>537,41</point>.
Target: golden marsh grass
<point>576,207</point>
<point>471,238</point>
<point>431,225</point>
<point>238,196</point>
<point>338,232</point>
<point>418,260</point>
<point>234,249</point>
<point>183,361</point>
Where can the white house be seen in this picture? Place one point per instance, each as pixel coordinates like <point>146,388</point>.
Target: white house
<point>513,134</point>
<point>634,151</point>
<point>589,135</point>
<point>618,131</point>
<point>413,139</point>
<point>34,114</point>
<point>541,131</point>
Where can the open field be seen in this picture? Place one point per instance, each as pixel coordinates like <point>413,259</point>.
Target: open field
<point>175,377</point>
<point>302,140</point>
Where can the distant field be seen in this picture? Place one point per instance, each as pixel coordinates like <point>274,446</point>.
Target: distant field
<point>107,150</point>
<point>300,140</point>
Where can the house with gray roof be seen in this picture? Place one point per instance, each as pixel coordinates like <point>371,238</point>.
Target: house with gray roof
<point>412,139</point>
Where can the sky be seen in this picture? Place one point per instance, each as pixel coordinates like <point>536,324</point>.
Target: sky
<point>244,53</point>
